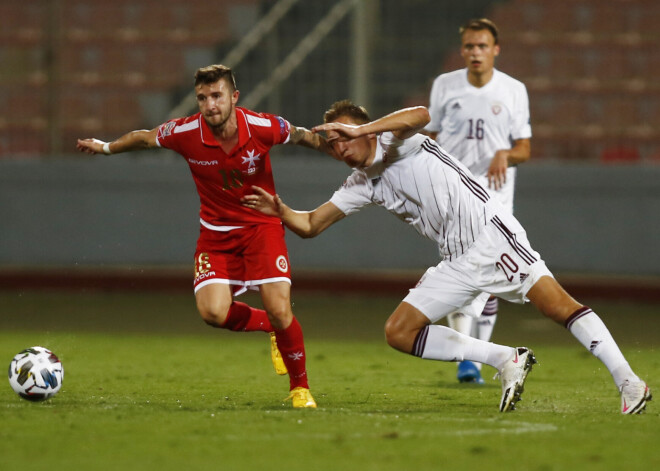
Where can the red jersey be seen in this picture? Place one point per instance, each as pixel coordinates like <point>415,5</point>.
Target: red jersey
<point>222,179</point>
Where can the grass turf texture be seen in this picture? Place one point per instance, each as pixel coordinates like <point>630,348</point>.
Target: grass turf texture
<point>148,386</point>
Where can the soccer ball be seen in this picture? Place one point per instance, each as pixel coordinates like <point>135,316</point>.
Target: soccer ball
<point>36,374</point>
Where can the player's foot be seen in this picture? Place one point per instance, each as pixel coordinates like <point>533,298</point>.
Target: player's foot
<point>276,356</point>
<point>513,375</point>
<point>468,373</point>
<point>301,398</point>
<point>634,396</point>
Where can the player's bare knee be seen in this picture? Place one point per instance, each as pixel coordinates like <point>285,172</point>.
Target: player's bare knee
<point>280,316</point>
<point>214,319</point>
<point>395,336</point>
<point>277,304</point>
<point>214,314</point>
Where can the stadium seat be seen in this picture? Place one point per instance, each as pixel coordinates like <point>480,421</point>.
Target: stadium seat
<point>22,22</point>
<point>590,68</point>
<point>570,53</point>
<point>619,111</point>
<point>518,61</point>
<point>25,140</point>
<point>601,17</point>
<point>620,154</point>
<point>24,105</point>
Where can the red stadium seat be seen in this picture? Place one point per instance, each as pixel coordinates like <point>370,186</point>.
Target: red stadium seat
<point>620,154</point>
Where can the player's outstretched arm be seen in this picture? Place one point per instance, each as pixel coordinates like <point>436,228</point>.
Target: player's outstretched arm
<point>304,223</point>
<point>306,138</point>
<point>134,140</point>
<point>403,124</point>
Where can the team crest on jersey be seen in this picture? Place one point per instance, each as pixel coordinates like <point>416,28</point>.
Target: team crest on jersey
<point>251,159</point>
<point>166,129</point>
<point>496,108</point>
<point>281,264</point>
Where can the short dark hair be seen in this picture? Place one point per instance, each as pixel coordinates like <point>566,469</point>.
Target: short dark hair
<point>480,24</point>
<point>346,108</point>
<point>213,73</point>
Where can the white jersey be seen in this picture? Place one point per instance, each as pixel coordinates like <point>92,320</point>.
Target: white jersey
<point>421,184</point>
<point>473,123</point>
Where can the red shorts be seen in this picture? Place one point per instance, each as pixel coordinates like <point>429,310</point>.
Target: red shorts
<point>244,258</point>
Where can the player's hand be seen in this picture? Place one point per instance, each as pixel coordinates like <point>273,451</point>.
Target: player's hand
<point>90,146</point>
<point>263,202</point>
<point>497,170</point>
<point>338,132</point>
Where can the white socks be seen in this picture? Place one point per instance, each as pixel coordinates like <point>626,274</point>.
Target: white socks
<point>484,324</point>
<point>437,342</point>
<point>590,330</point>
<point>479,328</point>
<point>460,322</point>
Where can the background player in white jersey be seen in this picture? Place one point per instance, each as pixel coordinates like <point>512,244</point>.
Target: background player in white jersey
<point>484,248</point>
<point>480,115</point>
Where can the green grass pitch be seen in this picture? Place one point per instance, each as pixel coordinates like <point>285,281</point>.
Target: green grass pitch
<point>148,386</point>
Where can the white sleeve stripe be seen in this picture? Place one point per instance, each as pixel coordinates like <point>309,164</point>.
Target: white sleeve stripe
<point>263,122</point>
<point>186,127</point>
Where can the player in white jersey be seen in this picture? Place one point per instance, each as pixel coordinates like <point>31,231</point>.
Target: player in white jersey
<point>481,116</point>
<point>484,248</point>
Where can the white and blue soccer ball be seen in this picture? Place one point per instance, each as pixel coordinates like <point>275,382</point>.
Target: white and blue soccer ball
<point>36,374</point>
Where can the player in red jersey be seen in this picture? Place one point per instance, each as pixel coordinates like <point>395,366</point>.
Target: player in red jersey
<point>226,148</point>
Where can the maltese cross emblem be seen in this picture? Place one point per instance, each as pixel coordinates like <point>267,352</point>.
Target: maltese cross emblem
<point>251,158</point>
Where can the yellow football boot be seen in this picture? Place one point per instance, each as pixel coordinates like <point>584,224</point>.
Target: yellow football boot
<point>301,398</point>
<point>276,356</point>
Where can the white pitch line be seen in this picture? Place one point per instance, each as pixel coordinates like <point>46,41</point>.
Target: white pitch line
<point>516,429</point>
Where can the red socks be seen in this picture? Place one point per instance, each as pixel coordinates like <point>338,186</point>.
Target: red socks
<point>243,318</point>
<point>292,347</point>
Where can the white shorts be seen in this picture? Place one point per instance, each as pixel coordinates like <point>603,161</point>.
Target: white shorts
<point>501,263</point>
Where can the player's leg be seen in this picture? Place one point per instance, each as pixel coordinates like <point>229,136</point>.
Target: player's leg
<point>214,271</point>
<point>522,275</point>
<point>469,371</point>
<point>466,371</point>
<point>585,325</point>
<point>217,307</point>
<point>410,331</point>
<point>276,298</point>
<point>218,264</point>
<point>460,322</point>
<point>482,329</point>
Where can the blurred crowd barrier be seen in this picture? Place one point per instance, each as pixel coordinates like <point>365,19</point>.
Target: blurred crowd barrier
<point>105,212</point>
